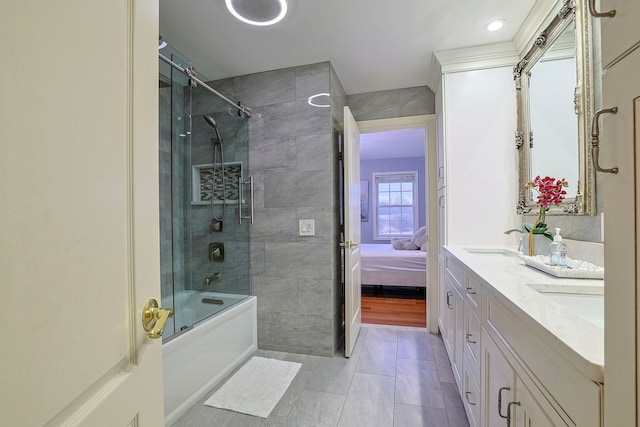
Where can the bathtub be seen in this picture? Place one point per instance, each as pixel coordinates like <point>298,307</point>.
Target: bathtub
<point>196,360</point>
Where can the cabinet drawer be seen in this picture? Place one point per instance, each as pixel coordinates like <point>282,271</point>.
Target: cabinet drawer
<point>472,294</point>
<point>455,271</point>
<point>472,334</point>
<point>622,31</point>
<point>471,397</point>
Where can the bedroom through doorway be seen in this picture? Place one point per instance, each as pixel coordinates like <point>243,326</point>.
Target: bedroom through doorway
<point>393,173</point>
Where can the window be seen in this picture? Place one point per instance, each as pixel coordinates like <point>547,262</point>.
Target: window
<point>396,204</point>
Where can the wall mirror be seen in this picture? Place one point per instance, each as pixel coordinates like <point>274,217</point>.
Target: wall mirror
<point>554,89</point>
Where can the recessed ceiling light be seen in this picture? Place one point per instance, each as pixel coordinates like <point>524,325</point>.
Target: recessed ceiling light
<point>495,25</point>
<point>313,100</point>
<point>261,13</point>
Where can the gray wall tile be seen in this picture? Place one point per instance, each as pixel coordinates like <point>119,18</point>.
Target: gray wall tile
<point>392,103</point>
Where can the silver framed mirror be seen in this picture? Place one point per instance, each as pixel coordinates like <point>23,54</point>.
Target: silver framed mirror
<point>554,94</point>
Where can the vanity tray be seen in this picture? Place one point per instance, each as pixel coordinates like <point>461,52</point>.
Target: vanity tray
<point>575,268</point>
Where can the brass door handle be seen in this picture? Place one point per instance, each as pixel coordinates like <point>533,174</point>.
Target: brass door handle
<point>154,318</point>
<point>349,244</point>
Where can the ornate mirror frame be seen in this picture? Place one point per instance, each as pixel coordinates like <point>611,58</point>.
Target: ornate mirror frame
<point>584,202</point>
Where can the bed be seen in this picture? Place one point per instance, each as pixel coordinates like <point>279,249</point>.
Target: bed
<point>384,265</point>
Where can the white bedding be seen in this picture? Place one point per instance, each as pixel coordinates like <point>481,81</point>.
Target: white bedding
<point>383,265</point>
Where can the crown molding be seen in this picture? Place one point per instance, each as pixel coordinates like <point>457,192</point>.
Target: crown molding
<point>477,57</point>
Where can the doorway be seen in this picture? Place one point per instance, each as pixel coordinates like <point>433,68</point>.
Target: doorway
<point>396,155</point>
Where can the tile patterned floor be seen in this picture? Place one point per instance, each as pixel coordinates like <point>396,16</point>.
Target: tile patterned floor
<point>397,377</point>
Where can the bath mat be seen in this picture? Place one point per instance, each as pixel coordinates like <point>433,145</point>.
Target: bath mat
<point>256,387</point>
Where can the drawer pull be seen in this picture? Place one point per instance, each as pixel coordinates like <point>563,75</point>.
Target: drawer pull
<point>466,395</point>
<point>500,401</point>
<point>449,295</point>
<point>595,140</point>
<point>596,14</point>
<point>509,412</point>
<point>469,340</point>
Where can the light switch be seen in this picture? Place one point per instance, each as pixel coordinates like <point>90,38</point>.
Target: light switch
<point>306,227</point>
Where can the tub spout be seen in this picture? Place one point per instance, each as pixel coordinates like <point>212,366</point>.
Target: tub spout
<point>215,278</point>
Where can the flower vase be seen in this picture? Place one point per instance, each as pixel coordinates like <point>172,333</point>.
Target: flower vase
<point>536,243</point>
<point>540,244</point>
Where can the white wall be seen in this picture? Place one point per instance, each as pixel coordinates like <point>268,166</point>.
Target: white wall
<point>481,159</point>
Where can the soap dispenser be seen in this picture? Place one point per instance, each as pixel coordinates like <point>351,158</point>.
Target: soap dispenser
<point>558,251</point>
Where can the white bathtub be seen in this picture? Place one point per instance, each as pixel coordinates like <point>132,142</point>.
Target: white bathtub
<point>202,356</point>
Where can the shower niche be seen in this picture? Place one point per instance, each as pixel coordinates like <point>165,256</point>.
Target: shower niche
<point>210,185</point>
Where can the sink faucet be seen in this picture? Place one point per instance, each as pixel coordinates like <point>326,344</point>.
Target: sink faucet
<point>515,230</point>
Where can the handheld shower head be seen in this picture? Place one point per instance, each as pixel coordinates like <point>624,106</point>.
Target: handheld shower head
<point>211,121</point>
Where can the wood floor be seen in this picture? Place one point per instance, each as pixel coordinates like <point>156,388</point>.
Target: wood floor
<point>382,310</point>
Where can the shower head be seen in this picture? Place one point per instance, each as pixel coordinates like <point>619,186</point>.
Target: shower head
<point>210,120</point>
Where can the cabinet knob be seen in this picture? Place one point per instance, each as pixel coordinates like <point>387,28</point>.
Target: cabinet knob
<point>466,395</point>
<point>469,340</point>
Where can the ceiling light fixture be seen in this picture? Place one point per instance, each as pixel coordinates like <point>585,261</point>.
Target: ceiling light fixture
<point>313,98</point>
<point>161,43</point>
<point>260,13</point>
<point>495,25</point>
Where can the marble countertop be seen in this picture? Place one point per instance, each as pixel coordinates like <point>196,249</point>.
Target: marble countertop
<point>579,341</point>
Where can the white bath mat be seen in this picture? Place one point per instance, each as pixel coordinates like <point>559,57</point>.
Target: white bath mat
<point>256,388</point>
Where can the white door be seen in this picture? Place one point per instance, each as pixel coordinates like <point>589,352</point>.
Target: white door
<point>352,281</point>
<point>79,251</point>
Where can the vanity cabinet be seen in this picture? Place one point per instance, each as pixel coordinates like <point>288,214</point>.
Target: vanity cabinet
<point>508,400</point>
<point>502,366</point>
<point>619,142</point>
<point>620,33</point>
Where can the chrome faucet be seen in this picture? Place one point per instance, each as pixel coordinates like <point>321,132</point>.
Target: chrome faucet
<point>515,230</point>
<point>209,280</point>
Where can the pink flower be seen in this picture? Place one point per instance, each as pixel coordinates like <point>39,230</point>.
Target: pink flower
<point>550,190</point>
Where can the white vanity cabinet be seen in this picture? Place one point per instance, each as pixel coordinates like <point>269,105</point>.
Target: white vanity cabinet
<point>621,32</point>
<point>619,142</point>
<point>505,366</point>
<point>508,400</point>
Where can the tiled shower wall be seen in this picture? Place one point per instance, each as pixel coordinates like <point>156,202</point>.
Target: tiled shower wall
<point>388,104</point>
<point>293,159</point>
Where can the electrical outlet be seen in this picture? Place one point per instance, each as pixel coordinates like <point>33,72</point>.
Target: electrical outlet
<point>306,227</point>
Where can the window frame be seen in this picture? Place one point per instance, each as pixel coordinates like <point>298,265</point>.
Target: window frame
<point>376,206</point>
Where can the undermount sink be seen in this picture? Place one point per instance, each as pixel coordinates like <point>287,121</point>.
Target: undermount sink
<point>568,288</point>
<point>587,301</point>
<point>491,251</point>
<point>589,307</point>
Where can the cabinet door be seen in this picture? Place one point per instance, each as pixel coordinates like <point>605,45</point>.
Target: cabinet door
<point>620,147</point>
<point>499,382</point>
<point>620,32</point>
<point>531,413</point>
<point>442,300</point>
<point>454,335</point>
